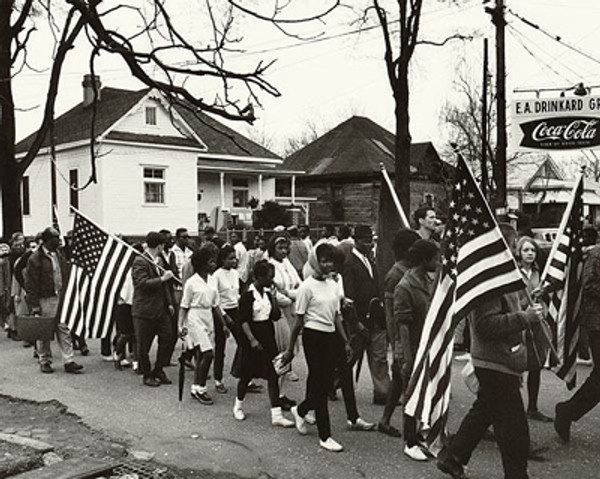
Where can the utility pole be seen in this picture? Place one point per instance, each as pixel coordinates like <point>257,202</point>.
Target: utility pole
<point>497,14</point>
<point>484,121</point>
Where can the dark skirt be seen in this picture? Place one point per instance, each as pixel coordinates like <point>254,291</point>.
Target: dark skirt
<point>253,363</point>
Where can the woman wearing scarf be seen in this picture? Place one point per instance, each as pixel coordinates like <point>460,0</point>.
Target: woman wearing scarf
<point>318,315</point>
<point>287,282</point>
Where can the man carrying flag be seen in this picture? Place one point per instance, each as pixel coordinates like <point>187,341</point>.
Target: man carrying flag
<point>479,275</point>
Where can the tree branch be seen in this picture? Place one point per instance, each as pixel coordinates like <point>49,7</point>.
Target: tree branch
<point>456,36</point>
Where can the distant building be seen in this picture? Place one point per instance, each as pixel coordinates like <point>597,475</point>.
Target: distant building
<point>537,187</point>
<point>158,166</point>
<point>343,174</point>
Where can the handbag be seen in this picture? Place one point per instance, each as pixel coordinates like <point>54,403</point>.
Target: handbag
<point>279,366</point>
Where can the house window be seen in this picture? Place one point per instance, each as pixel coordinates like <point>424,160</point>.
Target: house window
<point>240,188</point>
<point>429,199</point>
<point>73,191</point>
<point>150,115</point>
<point>26,206</point>
<point>154,186</point>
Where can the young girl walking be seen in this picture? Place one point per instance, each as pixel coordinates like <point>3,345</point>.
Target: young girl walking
<point>258,311</point>
<point>199,315</point>
<point>318,312</point>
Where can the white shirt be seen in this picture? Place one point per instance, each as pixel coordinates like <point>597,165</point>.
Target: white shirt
<point>228,285</point>
<point>241,253</point>
<point>261,307</point>
<point>200,297</point>
<point>126,294</point>
<point>319,302</point>
<point>308,242</point>
<point>364,260</point>
<point>181,256</point>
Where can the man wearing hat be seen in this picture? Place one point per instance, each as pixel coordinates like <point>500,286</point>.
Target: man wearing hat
<point>361,286</point>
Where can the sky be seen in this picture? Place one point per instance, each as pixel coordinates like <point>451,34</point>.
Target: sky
<point>325,82</point>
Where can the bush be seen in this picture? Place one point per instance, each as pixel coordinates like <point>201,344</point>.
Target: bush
<point>270,215</point>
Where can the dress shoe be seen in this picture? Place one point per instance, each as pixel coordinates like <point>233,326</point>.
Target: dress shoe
<point>46,368</point>
<point>202,398</point>
<point>150,381</point>
<point>448,465</point>
<point>388,430</point>
<point>562,424</point>
<point>286,403</point>
<point>162,378</point>
<point>330,445</point>
<point>415,453</point>
<point>73,368</point>
<point>299,420</point>
<point>539,416</point>
<point>255,388</point>
<point>85,351</point>
<point>221,388</point>
<point>361,425</point>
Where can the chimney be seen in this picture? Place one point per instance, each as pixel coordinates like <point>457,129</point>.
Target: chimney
<point>88,88</point>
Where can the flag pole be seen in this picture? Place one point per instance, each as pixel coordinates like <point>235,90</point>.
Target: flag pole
<point>119,240</point>
<point>388,181</point>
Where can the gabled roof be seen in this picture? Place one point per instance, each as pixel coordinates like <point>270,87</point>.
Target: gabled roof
<point>357,147</point>
<point>74,125</point>
<point>523,171</point>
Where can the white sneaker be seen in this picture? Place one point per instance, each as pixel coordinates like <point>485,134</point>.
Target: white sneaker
<point>300,422</point>
<point>238,412</point>
<point>415,453</point>
<point>331,445</point>
<point>310,418</point>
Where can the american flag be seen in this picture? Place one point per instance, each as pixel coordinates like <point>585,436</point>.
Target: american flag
<point>99,265</point>
<point>562,276</point>
<point>477,265</point>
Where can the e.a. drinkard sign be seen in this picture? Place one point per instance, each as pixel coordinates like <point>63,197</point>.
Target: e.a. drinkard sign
<point>571,123</point>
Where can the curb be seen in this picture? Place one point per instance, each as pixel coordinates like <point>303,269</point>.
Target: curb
<point>39,446</point>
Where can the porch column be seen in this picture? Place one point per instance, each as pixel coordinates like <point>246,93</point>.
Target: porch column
<point>222,183</point>
<point>260,189</point>
<point>293,190</point>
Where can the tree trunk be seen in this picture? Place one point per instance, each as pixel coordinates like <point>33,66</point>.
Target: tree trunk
<point>10,177</point>
<point>403,140</point>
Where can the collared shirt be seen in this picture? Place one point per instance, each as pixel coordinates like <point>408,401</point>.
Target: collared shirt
<point>261,306</point>
<point>365,261</point>
<point>181,256</point>
<point>241,253</point>
<point>57,273</point>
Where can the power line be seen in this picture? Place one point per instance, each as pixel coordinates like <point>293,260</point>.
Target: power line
<point>556,38</point>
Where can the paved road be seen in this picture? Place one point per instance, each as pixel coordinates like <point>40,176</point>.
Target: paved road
<point>153,420</point>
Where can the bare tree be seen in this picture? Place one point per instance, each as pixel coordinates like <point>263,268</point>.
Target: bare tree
<point>156,51</point>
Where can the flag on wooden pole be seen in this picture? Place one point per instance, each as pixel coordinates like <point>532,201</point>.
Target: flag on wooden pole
<point>99,263</point>
<point>562,277</point>
<point>477,265</point>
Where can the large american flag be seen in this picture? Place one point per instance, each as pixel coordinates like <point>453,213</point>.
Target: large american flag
<point>99,265</point>
<point>562,277</point>
<point>477,265</point>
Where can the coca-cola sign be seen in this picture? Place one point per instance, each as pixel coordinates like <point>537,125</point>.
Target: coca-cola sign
<point>563,133</point>
<point>563,123</point>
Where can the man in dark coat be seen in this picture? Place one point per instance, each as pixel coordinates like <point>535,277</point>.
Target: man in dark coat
<point>152,310</point>
<point>588,395</point>
<point>361,286</point>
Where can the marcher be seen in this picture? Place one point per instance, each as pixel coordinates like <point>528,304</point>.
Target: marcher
<point>305,236</point>
<point>227,279</point>
<point>588,395</point>
<point>45,282</point>
<point>17,249</point>
<point>527,253</point>
<point>346,241</point>
<point>361,285</point>
<point>5,286</point>
<point>241,253</point>
<point>298,254</point>
<point>426,222</point>
<point>199,314</point>
<point>403,240</point>
<point>256,253</point>
<point>211,235</point>
<point>499,357</point>
<point>257,348</point>
<point>318,314</point>
<point>412,297</point>
<point>152,310</point>
<point>287,282</point>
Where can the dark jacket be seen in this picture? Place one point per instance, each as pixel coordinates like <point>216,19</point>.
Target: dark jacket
<point>590,304</point>
<point>412,297</point>
<point>39,280</point>
<point>364,291</point>
<point>498,335</point>
<point>151,296</point>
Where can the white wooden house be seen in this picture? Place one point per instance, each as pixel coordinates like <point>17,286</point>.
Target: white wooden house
<point>157,167</point>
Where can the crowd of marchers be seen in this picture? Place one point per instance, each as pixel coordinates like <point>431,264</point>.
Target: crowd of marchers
<point>279,294</point>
